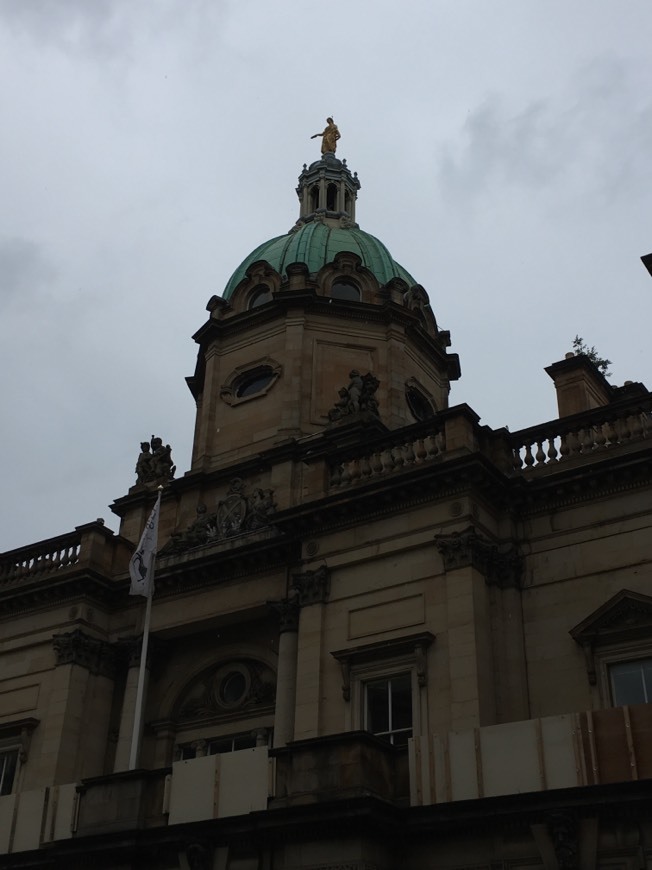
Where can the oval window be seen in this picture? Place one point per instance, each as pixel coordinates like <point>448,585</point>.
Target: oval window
<point>232,688</point>
<point>260,296</point>
<point>419,406</point>
<point>254,381</point>
<point>346,290</point>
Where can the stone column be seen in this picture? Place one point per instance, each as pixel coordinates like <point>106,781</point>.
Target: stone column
<point>286,678</point>
<point>80,702</point>
<point>312,588</point>
<point>472,565</point>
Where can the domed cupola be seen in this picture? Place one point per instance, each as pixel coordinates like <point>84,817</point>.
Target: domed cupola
<point>327,188</point>
<point>326,227</point>
<point>309,324</point>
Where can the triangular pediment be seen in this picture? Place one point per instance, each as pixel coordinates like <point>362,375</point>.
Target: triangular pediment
<point>628,615</point>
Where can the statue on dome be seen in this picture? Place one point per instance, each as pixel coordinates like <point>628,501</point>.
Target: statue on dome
<point>329,137</point>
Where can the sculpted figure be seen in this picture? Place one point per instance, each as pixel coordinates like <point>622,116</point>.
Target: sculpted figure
<point>163,468</point>
<point>355,388</point>
<point>261,506</point>
<point>358,397</point>
<point>329,137</point>
<point>144,465</point>
<point>368,399</point>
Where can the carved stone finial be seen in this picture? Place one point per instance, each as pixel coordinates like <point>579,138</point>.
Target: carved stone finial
<point>357,398</point>
<point>154,463</point>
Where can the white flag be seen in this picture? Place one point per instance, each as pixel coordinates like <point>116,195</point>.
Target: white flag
<point>141,566</point>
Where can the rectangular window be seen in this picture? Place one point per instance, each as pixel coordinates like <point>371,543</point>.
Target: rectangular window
<point>631,682</point>
<point>388,708</point>
<point>8,767</point>
<point>218,745</point>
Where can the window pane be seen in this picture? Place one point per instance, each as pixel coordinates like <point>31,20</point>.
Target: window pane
<point>401,702</point>
<point>378,707</point>
<point>647,679</point>
<point>628,681</point>
<point>8,762</point>
<point>345,290</point>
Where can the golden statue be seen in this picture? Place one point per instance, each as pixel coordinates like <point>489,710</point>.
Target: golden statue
<point>329,137</point>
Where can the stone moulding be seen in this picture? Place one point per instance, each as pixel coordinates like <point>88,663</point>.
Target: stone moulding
<point>626,617</point>
<point>415,645</point>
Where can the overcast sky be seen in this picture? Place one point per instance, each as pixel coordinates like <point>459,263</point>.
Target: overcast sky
<point>504,150</point>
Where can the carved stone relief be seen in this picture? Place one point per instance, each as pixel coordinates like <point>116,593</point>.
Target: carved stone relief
<point>356,398</point>
<point>240,685</point>
<point>237,513</point>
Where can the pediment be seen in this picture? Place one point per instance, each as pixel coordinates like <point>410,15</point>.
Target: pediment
<point>626,616</point>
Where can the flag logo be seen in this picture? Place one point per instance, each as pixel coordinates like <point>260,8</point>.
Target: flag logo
<point>141,565</point>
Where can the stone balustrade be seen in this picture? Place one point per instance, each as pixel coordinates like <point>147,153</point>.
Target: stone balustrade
<point>581,435</point>
<point>44,557</point>
<point>393,454</point>
<point>89,546</point>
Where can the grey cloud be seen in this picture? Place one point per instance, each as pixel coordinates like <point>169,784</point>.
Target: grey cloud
<point>24,268</point>
<point>596,132</point>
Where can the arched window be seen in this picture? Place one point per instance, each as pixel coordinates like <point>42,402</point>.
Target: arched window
<point>331,197</point>
<point>261,295</point>
<point>314,197</point>
<point>344,289</point>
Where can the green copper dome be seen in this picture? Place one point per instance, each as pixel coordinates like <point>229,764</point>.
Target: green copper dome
<point>316,244</point>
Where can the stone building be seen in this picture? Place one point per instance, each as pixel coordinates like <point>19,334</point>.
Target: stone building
<point>383,635</point>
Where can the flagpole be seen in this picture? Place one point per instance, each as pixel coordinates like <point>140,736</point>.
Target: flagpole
<point>141,569</point>
<point>137,730</point>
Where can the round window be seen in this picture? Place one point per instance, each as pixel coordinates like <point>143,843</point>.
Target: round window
<point>231,685</point>
<point>254,381</point>
<point>260,296</point>
<point>346,290</point>
<point>419,406</point>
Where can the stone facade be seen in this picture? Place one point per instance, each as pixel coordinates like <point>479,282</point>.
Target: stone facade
<point>378,639</point>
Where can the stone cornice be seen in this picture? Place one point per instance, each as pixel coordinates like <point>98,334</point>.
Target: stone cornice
<point>47,592</point>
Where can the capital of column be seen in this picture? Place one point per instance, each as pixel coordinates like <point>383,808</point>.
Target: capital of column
<point>288,610</point>
<point>501,565</point>
<point>78,648</point>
